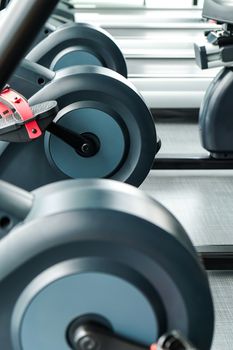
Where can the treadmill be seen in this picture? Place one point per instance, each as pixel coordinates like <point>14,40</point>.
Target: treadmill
<point>158,46</point>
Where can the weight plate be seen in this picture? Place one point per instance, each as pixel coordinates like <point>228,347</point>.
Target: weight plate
<point>79,43</point>
<point>101,242</point>
<point>99,101</point>
<point>112,297</point>
<point>75,56</point>
<point>87,120</point>
<point>128,136</point>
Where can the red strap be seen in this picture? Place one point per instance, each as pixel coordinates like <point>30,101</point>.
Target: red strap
<point>22,107</point>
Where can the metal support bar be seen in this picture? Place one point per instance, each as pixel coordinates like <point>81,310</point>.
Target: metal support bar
<point>15,201</point>
<point>94,336</point>
<point>19,26</point>
<point>192,163</point>
<point>216,257</point>
<point>86,145</point>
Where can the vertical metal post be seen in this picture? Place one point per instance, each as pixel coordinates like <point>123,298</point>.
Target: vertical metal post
<point>18,27</point>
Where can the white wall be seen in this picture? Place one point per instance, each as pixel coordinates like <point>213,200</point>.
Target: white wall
<point>172,3</point>
<point>108,3</point>
<point>136,3</point>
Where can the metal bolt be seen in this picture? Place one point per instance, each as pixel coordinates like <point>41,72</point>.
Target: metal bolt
<point>88,343</point>
<point>85,148</point>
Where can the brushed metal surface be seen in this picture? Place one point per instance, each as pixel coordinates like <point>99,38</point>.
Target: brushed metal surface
<point>141,17</point>
<point>222,289</point>
<point>201,200</point>
<point>155,67</point>
<point>180,133</point>
<point>170,83</point>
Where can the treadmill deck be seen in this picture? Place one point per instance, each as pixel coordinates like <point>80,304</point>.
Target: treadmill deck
<point>203,202</point>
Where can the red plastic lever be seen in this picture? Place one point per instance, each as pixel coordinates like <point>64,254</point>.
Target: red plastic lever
<point>22,107</point>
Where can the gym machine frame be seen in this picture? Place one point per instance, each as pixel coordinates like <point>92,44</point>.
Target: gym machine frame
<point>36,12</point>
<point>215,257</point>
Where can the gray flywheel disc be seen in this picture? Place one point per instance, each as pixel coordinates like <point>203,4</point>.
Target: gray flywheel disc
<point>104,248</point>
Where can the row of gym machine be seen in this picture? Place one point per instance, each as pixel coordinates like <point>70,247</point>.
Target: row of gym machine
<point>87,262</point>
<point>157,43</point>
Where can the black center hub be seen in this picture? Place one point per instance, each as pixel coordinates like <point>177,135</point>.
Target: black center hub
<point>90,146</point>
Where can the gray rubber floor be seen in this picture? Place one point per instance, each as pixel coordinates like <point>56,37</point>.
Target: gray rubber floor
<point>203,202</point>
<point>179,133</point>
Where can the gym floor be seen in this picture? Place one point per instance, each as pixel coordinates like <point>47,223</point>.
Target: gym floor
<point>202,201</point>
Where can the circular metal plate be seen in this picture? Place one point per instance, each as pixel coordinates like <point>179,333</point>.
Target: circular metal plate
<point>87,120</point>
<point>80,294</point>
<point>105,103</point>
<point>72,43</point>
<point>113,238</point>
<point>75,56</point>
<point>107,94</point>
